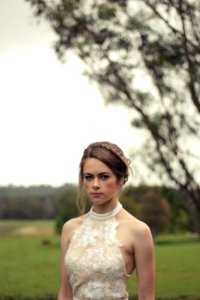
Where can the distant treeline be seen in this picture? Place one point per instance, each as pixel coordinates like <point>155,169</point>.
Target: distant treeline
<point>160,207</point>
<point>34,202</point>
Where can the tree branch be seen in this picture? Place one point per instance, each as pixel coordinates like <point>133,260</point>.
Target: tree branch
<point>190,64</point>
<point>176,31</point>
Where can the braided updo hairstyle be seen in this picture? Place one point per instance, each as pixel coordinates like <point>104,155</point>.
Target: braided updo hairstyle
<point>111,155</point>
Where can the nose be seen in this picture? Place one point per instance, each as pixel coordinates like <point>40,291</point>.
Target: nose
<point>96,183</point>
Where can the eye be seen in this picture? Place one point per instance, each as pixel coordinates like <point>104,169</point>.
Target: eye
<point>104,176</point>
<point>88,177</point>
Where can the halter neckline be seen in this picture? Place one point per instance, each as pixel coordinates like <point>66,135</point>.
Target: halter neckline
<point>105,216</point>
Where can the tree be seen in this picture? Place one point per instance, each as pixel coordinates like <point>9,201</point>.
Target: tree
<point>161,39</point>
<point>169,200</point>
<point>150,208</point>
<point>155,211</point>
<point>67,208</point>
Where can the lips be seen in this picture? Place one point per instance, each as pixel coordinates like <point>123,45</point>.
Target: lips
<point>95,194</point>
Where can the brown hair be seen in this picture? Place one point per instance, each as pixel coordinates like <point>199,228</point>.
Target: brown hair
<point>111,155</point>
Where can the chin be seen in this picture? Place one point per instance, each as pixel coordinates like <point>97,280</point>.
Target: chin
<point>99,201</point>
<point>96,200</point>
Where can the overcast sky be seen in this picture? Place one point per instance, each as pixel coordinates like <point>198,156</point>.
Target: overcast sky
<point>49,112</point>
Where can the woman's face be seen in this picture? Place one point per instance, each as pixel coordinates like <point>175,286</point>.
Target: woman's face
<point>99,181</point>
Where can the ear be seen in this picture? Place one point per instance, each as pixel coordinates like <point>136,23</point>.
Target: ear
<point>121,182</point>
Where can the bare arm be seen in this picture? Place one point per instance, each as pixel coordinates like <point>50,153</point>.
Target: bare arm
<point>144,259</point>
<point>65,291</point>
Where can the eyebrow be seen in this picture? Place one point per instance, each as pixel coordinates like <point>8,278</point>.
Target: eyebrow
<point>102,173</point>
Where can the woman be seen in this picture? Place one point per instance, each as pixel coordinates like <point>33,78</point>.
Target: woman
<point>101,249</point>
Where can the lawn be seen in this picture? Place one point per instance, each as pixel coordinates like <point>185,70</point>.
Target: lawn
<point>29,258</point>
<point>177,267</point>
<point>30,255</point>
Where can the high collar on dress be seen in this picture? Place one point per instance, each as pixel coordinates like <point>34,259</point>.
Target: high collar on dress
<point>105,216</point>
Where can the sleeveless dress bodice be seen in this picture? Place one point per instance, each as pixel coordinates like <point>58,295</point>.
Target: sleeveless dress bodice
<point>94,261</point>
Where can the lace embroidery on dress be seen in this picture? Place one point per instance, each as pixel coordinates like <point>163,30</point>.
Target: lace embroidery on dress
<point>94,262</point>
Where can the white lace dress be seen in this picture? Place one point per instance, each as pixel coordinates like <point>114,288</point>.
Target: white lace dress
<point>94,260</point>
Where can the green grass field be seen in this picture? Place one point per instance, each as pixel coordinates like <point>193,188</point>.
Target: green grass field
<point>30,253</point>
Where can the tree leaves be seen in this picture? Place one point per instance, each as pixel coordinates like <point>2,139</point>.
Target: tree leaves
<point>117,39</point>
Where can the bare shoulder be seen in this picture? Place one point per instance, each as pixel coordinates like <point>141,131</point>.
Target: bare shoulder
<point>139,230</point>
<point>71,225</point>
